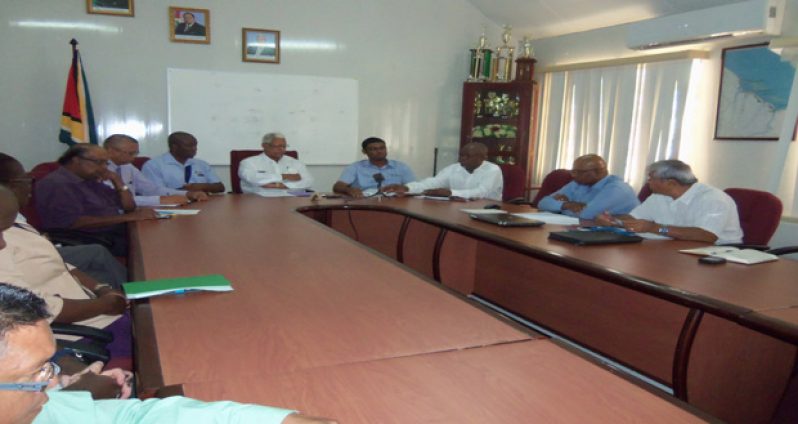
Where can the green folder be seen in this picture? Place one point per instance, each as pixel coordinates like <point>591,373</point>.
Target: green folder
<point>144,289</point>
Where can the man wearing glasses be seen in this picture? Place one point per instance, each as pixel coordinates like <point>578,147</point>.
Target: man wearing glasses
<point>273,173</point>
<point>592,191</point>
<point>73,197</point>
<point>122,149</point>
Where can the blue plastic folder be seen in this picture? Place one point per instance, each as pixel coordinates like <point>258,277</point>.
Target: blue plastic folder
<point>145,289</point>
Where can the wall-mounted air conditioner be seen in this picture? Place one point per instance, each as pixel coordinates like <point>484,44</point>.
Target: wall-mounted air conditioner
<point>752,17</point>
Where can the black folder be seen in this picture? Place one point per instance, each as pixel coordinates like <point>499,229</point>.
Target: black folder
<point>507,220</point>
<point>587,238</point>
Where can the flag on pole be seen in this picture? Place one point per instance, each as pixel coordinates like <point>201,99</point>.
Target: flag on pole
<point>77,119</point>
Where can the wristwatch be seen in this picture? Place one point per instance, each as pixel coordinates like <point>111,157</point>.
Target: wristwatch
<point>123,188</point>
<point>663,229</point>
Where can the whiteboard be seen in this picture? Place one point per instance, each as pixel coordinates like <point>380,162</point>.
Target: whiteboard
<point>233,110</point>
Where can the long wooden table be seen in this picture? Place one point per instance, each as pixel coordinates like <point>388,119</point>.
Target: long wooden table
<point>311,306</point>
<point>724,338</point>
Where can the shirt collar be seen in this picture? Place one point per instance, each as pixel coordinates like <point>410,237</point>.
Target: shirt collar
<point>20,219</point>
<point>171,159</point>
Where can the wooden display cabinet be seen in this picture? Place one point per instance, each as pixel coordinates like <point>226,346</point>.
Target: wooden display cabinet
<point>501,115</point>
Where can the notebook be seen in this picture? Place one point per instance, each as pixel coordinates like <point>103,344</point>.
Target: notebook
<point>587,238</point>
<point>507,220</point>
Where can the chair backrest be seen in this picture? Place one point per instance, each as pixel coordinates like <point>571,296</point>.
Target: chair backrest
<point>645,191</point>
<point>139,161</point>
<point>37,173</point>
<point>554,181</point>
<point>514,184</point>
<point>760,213</point>
<point>236,156</point>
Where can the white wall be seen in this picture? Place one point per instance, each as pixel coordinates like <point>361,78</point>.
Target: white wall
<point>410,58</point>
<point>719,163</point>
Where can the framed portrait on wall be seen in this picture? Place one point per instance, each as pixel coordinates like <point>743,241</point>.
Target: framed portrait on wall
<point>188,25</point>
<point>260,45</point>
<point>110,7</point>
<point>755,87</point>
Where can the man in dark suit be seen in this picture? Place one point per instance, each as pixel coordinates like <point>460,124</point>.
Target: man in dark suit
<point>190,26</point>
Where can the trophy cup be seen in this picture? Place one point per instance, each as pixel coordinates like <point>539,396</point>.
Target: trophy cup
<point>525,65</point>
<point>479,57</point>
<point>504,57</point>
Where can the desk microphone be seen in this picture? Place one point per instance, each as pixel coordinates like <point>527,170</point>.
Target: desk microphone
<point>379,178</point>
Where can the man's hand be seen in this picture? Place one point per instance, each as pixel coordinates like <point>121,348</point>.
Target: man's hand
<point>113,177</point>
<point>292,177</point>
<point>575,207</point>
<point>197,196</point>
<point>640,226</point>
<point>176,199</point>
<point>304,419</point>
<point>560,197</point>
<point>395,188</point>
<point>438,192</point>
<point>274,185</point>
<point>114,302</point>
<point>354,193</point>
<point>142,214</point>
<point>604,219</point>
<point>111,384</point>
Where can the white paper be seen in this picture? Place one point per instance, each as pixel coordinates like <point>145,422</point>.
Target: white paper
<point>484,211</point>
<point>177,211</point>
<point>653,236</point>
<point>550,218</point>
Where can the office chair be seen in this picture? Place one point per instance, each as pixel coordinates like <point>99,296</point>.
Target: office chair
<point>514,183</point>
<point>644,192</point>
<point>236,156</point>
<point>139,161</point>
<point>92,346</point>
<point>759,212</point>
<point>554,181</point>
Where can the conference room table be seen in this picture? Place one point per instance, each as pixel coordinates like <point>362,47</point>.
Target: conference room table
<point>321,323</point>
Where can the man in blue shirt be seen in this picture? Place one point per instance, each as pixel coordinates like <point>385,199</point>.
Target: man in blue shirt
<point>365,175</point>
<point>592,192</point>
<point>179,170</point>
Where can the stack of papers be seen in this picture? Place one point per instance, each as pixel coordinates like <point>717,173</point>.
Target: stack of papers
<point>144,289</point>
<point>173,212</point>
<point>550,218</point>
<point>733,254</point>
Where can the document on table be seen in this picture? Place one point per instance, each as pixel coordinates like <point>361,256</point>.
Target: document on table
<point>733,254</point>
<point>484,211</point>
<point>550,218</point>
<point>168,212</point>
<point>144,289</point>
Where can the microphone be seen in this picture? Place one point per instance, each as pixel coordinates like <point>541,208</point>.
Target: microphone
<point>379,178</point>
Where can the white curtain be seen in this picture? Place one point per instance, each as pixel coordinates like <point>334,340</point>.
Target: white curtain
<point>631,115</point>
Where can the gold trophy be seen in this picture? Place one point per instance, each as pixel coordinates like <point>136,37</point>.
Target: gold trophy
<point>525,65</point>
<point>503,64</point>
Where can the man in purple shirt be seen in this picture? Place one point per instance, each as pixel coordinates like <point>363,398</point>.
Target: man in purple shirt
<point>73,198</point>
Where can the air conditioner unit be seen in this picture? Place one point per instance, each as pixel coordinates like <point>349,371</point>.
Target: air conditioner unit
<point>752,17</point>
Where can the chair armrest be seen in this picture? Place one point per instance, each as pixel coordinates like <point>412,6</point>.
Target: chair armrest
<point>68,237</point>
<point>101,336</point>
<point>85,352</point>
<point>519,201</point>
<point>784,250</point>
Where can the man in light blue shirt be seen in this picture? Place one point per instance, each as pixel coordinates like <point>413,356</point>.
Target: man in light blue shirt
<point>122,149</point>
<point>179,170</point>
<point>592,192</point>
<point>377,171</point>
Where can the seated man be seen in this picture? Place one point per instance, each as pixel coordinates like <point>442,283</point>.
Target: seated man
<point>682,208</point>
<point>179,170</point>
<point>122,149</point>
<point>592,192</point>
<point>92,259</point>
<point>30,261</point>
<point>73,197</point>
<point>361,175</point>
<point>472,178</point>
<point>26,371</point>
<point>272,173</point>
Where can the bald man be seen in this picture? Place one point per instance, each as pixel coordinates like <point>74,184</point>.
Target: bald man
<point>592,192</point>
<point>472,178</point>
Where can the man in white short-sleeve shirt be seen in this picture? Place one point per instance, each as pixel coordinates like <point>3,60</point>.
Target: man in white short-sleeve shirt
<point>273,173</point>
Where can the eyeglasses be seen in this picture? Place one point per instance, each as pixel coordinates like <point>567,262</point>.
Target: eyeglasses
<point>48,372</point>
<point>97,162</point>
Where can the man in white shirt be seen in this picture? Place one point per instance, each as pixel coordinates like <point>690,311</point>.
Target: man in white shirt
<point>472,178</point>
<point>273,173</point>
<point>122,149</point>
<point>682,208</point>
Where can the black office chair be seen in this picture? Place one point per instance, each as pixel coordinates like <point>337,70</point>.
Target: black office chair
<point>92,346</point>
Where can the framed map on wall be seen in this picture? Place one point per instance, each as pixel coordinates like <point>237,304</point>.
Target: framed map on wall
<point>755,87</point>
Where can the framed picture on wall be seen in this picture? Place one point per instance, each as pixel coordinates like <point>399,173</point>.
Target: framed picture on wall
<point>110,7</point>
<point>754,90</point>
<point>260,45</point>
<point>189,25</point>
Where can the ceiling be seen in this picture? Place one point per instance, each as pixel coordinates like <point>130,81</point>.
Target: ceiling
<point>548,18</point>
